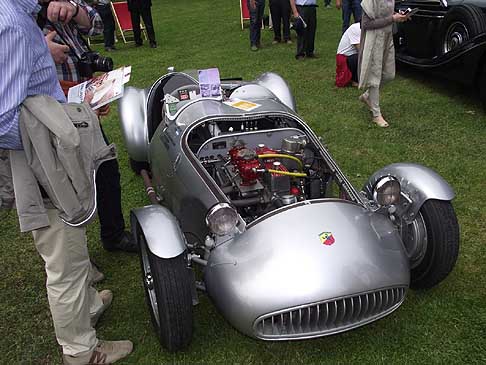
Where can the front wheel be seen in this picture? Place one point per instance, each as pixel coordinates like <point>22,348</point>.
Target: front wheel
<point>167,284</point>
<point>432,242</point>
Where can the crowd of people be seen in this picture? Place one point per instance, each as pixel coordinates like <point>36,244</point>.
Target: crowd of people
<point>365,55</point>
<point>45,44</point>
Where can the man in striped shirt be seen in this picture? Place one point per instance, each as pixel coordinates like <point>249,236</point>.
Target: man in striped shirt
<point>27,69</point>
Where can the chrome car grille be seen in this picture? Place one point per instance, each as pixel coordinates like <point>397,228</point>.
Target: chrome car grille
<point>328,317</point>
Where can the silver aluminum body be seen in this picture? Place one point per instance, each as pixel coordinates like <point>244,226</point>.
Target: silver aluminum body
<point>273,279</point>
<point>271,267</point>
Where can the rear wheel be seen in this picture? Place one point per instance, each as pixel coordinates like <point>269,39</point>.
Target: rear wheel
<point>460,24</point>
<point>167,284</point>
<point>432,242</point>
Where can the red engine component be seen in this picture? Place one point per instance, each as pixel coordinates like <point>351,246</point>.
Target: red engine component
<point>246,162</point>
<point>263,150</point>
<point>275,165</point>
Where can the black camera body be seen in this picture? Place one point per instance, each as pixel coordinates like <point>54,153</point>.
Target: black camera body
<point>91,62</point>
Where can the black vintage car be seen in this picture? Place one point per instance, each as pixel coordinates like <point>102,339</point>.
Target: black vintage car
<point>446,37</point>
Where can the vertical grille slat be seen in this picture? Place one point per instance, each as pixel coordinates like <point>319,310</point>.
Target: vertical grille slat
<point>330,316</point>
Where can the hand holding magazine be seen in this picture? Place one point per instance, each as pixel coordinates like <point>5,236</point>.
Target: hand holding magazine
<point>102,89</point>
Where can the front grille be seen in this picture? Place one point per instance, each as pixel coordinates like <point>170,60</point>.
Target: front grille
<point>328,317</point>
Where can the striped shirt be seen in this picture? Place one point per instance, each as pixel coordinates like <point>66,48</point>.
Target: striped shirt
<point>72,33</point>
<point>26,66</point>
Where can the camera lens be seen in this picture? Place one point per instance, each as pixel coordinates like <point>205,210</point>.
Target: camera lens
<point>103,64</point>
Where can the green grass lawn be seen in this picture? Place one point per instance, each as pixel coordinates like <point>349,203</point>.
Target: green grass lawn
<point>432,122</point>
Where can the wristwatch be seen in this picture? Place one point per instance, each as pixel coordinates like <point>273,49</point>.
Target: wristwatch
<point>76,5</point>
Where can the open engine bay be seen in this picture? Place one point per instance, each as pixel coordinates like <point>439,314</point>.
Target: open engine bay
<point>263,164</point>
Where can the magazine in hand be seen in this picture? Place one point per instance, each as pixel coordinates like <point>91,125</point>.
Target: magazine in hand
<point>101,90</point>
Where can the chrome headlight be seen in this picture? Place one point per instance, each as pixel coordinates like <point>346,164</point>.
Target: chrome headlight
<point>222,219</point>
<point>387,191</point>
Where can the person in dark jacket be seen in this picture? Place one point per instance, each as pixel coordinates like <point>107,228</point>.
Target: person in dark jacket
<point>141,8</point>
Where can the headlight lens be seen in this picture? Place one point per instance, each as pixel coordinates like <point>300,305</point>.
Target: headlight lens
<point>387,191</point>
<point>222,219</point>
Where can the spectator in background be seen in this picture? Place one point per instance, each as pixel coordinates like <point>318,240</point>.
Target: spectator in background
<point>256,9</point>
<point>103,8</point>
<point>28,70</point>
<point>280,11</point>
<point>67,59</point>
<point>377,54</point>
<point>305,38</point>
<point>349,7</point>
<point>347,57</point>
<point>141,8</point>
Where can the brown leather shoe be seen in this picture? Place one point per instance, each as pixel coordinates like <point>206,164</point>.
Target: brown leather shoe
<point>107,352</point>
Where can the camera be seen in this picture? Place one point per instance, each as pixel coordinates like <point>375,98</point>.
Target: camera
<point>91,62</point>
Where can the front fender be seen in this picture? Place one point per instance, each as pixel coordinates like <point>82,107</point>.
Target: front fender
<point>161,230</point>
<point>418,182</point>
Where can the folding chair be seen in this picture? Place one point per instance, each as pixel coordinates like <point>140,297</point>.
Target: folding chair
<point>244,12</point>
<point>123,19</point>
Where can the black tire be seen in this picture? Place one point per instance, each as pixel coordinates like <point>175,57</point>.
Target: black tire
<point>460,24</point>
<point>442,244</point>
<point>138,166</point>
<point>168,295</point>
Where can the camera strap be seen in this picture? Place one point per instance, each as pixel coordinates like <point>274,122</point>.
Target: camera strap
<point>66,35</point>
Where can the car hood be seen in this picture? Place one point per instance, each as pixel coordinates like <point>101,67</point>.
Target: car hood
<point>306,254</point>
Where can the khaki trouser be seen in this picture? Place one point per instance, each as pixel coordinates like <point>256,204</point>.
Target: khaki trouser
<point>71,299</point>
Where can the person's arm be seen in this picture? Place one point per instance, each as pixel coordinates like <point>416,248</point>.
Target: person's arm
<point>95,23</point>
<point>16,61</point>
<point>295,13</point>
<point>65,11</point>
<point>368,24</point>
<point>339,4</point>
<point>59,52</point>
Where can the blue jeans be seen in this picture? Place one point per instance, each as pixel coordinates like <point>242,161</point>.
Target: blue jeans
<point>256,18</point>
<point>351,7</point>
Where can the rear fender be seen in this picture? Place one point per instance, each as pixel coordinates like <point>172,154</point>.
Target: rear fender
<point>418,184</point>
<point>161,230</point>
<point>133,119</point>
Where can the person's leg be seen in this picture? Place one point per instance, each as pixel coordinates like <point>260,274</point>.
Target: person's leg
<point>108,25</point>
<point>135,16</point>
<point>276,10</point>
<point>253,24</point>
<point>112,224</point>
<point>301,36</point>
<point>352,62</point>
<point>260,13</point>
<point>346,8</point>
<point>311,21</point>
<point>285,12</point>
<point>65,253</point>
<point>149,25</point>
<point>356,7</point>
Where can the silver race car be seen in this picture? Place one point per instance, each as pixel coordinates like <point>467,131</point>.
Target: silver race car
<point>249,206</point>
